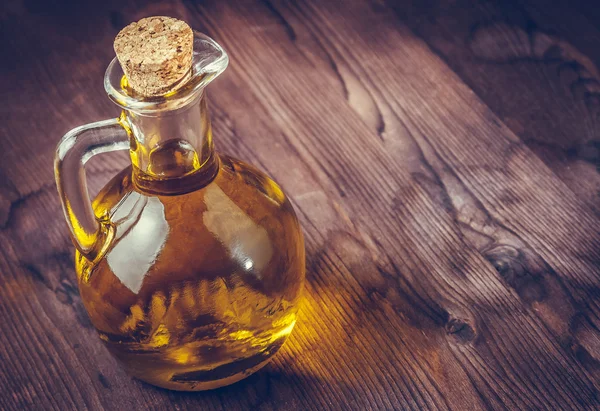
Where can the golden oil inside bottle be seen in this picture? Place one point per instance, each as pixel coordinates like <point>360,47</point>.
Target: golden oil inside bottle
<point>200,284</point>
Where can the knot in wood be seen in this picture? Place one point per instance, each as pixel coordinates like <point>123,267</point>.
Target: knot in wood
<point>506,260</point>
<point>461,330</point>
<point>521,269</point>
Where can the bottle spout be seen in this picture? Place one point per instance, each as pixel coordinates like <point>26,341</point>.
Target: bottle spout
<point>209,60</point>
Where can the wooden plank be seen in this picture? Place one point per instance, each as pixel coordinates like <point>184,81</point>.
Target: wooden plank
<point>545,282</point>
<point>572,325</point>
<point>367,130</point>
<point>536,69</point>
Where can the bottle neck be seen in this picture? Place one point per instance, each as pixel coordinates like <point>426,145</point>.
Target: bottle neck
<point>172,152</point>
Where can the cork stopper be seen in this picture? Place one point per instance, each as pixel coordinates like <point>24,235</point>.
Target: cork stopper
<point>155,54</point>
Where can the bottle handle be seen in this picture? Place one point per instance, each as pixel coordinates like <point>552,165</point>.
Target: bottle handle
<point>72,152</point>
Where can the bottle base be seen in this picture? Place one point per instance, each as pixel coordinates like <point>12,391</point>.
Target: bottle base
<point>190,373</point>
<point>190,382</point>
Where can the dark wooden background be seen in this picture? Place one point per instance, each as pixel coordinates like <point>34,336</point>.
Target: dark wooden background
<point>443,157</point>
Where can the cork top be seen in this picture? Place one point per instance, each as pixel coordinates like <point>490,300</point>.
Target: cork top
<point>155,54</point>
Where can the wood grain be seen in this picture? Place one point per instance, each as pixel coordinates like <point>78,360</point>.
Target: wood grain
<point>441,159</point>
<point>536,69</point>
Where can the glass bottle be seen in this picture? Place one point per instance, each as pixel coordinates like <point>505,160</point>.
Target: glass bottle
<point>190,263</point>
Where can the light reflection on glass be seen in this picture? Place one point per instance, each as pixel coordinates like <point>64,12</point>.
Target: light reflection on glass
<point>232,226</point>
<point>141,222</point>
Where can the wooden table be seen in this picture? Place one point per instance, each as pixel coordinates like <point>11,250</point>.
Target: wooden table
<point>443,157</point>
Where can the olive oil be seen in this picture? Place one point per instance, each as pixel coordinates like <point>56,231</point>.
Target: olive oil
<point>198,289</point>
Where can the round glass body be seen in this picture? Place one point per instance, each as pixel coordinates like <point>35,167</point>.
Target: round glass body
<point>195,290</point>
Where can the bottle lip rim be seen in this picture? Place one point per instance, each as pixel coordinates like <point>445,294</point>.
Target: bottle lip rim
<point>209,60</point>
